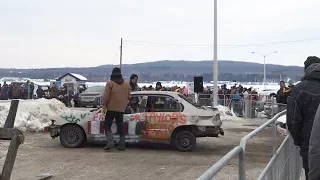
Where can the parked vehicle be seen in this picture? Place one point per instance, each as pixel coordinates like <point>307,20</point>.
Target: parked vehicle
<point>152,116</point>
<point>92,96</point>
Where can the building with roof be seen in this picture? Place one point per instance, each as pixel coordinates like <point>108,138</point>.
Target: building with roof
<point>72,80</point>
<point>72,77</point>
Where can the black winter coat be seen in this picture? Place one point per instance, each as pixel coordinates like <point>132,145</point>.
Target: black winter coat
<point>302,107</point>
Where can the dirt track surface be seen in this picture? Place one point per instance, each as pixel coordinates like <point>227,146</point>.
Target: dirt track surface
<point>42,155</point>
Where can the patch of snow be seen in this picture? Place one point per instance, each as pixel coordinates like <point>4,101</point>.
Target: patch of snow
<point>226,113</point>
<point>32,115</point>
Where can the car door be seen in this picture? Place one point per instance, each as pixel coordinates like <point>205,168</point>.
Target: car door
<point>136,124</point>
<point>163,114</point>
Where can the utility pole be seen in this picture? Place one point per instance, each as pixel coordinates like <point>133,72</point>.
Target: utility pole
<point>264,66</point>
<point>215,55</point>
<point>121,54</point>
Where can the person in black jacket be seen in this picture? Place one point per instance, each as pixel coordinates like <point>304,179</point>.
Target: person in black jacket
<point>302,106</point>
<point>314,149</point>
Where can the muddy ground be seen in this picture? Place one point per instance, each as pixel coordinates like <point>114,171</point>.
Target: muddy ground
<point>42,155</point>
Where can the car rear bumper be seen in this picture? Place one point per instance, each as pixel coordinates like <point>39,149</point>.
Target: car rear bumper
<point>209,131</point>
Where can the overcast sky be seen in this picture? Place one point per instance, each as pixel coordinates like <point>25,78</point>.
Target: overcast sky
<point>78,33</point>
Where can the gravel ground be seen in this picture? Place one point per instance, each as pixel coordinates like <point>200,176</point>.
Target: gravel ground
<point>42,155</point>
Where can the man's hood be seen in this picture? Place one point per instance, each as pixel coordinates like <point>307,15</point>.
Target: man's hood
<point>117,80</point>
<point>312,72</point>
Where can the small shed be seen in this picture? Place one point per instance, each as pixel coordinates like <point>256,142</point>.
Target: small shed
<point>72,80</point>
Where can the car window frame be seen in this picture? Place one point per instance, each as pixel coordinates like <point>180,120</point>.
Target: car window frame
<point>166,96</point>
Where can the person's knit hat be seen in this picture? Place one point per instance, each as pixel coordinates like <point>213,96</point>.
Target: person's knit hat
<point>311,60</point>
<point>116,70</point>
<point>158,83</point>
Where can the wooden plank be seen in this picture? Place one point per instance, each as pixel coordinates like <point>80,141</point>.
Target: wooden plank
<point>10,158</point>
<point>12,114</point>
<point>9,133</point>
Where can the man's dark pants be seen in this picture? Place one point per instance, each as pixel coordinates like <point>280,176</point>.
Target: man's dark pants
<point>111,115</point>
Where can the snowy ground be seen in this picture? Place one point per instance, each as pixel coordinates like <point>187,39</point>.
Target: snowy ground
<point>42,155</point>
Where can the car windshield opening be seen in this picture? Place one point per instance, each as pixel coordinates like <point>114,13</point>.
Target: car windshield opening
<point>189,100</point>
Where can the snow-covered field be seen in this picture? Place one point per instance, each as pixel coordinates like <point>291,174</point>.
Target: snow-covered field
<point>32,115</point>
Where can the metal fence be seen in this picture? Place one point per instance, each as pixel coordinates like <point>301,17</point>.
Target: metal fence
<point>285,164</point>
<point>248,105</point>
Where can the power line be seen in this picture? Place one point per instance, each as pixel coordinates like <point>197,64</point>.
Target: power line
<point>222,46</point>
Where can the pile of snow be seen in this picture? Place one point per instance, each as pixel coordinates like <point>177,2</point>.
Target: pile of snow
<point>32,115</point>
<point>225,112</point>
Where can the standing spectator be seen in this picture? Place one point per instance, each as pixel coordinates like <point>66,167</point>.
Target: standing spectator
<point>0,92</point>
<point>302,106</point>
<point>76,97</point>
<point>314,149</point>
<point>40,92</point>
<point>158,86</point>
<point>134,82</point>
<point>54,91</point>
<point>4,90</point>
<point>10,91</point>
<point>26,90</point>
<point>31,90</point>
<point>282,96</point>
<point>115,99</point>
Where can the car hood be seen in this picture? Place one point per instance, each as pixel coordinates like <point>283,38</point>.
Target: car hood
<point>90,94</point>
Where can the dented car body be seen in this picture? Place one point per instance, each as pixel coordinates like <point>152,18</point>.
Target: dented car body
<point>151,116</point>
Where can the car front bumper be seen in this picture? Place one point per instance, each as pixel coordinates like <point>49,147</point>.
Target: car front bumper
<point>90,103</point>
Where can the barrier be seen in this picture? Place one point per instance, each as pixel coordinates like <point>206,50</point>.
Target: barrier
<point>284,164</point>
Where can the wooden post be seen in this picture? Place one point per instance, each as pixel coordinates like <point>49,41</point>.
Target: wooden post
<point>16,137</point>
<point>12,114</point>
<point>11,155</point>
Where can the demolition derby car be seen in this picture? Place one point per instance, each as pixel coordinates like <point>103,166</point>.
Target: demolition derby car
<point>151,116</point>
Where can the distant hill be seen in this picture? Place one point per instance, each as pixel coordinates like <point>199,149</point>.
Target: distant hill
<point>167,70</point>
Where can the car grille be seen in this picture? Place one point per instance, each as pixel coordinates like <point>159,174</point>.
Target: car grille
<point>88,98</point>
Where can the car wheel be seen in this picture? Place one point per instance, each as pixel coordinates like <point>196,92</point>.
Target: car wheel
<point>72,136</point>
<point>185,141</point>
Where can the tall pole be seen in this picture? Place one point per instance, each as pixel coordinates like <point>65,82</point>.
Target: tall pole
<point>121,54</point>
<point>264,72</point>
<point>215,55</point>
<point>264,66</point>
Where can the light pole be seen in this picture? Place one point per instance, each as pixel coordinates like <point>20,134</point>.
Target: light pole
<point>264,66</point>
<point>215,55</point>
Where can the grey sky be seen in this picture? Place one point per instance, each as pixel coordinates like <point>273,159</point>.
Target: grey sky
<point>43,33</point>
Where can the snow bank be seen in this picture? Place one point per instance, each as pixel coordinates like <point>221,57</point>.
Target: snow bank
<point>226,113</point>
<point>32,115</point>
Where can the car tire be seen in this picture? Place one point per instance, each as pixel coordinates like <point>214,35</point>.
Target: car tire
<point>185,141</point>
<point>72,136</point>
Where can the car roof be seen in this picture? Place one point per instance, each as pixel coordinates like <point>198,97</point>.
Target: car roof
<point>169,93</point>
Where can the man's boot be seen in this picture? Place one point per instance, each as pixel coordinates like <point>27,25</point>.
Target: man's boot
<point>110,144</point>
<point>122,144</point>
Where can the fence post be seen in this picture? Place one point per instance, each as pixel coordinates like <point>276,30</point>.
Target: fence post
<point>242,166</point>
